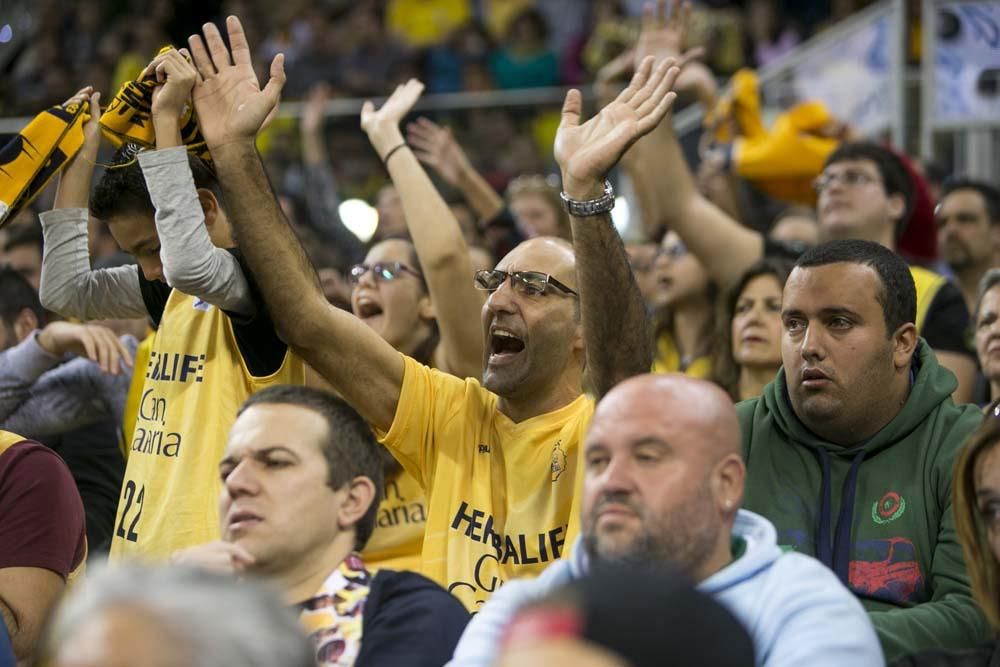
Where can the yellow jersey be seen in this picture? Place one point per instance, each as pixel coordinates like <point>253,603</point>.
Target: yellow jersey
<point>195,381</point>
<point>502,497</point>
<point>135,391</point>
<point>398,538</point>
<point>668,360</point>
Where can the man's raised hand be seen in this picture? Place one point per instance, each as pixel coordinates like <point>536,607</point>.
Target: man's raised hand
<point>231,105</point>
<point>587,152</point>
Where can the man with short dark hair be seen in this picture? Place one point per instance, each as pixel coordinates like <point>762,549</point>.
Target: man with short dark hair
<point>968,219</point>
<point>849,451</point>
<point>302,480</point>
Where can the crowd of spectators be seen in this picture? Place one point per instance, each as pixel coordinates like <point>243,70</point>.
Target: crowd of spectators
<point>759,428</point>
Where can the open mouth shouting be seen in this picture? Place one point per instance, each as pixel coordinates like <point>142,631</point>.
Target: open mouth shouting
<point>504,346</point>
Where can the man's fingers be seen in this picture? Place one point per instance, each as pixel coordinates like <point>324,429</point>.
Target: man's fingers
<point>656,87</point>
<point>238,42</point>
<point>651,120</point>
<point>572,107</point>
<point>200,56</point>
<point>216,46</point>
<point>638,80</point>
<point>277,81</point>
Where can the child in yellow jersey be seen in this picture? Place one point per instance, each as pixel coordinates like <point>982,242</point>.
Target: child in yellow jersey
<point>497,460</point>
<point>214,345</point>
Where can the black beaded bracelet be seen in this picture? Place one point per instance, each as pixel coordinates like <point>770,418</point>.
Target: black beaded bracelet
<point>388,155</point>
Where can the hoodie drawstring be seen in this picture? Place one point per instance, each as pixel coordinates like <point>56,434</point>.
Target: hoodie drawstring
<point>837,555</point>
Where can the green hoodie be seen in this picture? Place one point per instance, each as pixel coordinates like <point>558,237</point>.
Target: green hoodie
<point>901,556</point>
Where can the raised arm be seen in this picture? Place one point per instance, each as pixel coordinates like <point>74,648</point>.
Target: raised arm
<point>724,246</point>
<point>615,327</point>
<point>68,286</point>
<point>231,108</point>
<point>321,197</point>
<point>436,147</point>
<point>192,263</point>
<point>436,236</point>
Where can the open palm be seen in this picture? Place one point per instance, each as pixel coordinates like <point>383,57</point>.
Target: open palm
<point>394,108</point>
<point>587,152</point>
<point>230,103</point>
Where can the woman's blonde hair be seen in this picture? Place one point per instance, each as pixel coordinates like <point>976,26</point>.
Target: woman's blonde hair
<point>980,561</point>
<point>537,184</point>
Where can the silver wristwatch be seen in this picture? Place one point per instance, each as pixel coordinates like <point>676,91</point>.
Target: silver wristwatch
<point>584,209</point>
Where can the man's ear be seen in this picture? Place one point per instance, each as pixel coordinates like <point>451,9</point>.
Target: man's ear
<point>209,205</point>
<point>904,345</point>
<point>360,496</point>
<point>25,323</point>
<point>728,481</point>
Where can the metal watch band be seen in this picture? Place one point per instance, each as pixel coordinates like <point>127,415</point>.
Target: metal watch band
<point>583,209</point>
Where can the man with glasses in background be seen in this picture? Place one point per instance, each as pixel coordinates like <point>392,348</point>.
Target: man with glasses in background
<point>498,459</point>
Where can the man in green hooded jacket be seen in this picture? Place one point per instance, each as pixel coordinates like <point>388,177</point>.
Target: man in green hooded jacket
<point>849,451</point>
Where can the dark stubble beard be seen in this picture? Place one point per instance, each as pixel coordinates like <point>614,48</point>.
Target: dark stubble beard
<point>682,538</point>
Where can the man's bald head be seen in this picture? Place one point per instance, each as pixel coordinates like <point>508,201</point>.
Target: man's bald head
<point>664,477</point>
<point>699,410</point>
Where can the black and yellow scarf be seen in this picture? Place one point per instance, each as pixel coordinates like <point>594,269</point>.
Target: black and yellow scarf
<point>53,138</point>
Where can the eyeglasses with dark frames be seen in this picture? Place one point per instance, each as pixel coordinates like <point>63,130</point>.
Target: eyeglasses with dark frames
<point>530,283</point>
<point>387,271</point>
<point>849,177</point>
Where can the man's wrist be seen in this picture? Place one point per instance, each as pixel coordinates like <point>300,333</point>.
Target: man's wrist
<point>238,149</point>
<point>593,205</point>
<point>582,189</point>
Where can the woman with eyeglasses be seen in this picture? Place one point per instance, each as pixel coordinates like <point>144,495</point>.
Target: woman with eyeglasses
<point>748,344</point>
<point>419,297</point>
<point>975,493</point>
<point>683,310</point>
<point>986,320</point>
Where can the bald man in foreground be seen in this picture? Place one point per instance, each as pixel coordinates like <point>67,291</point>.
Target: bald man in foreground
<point>663,483</point>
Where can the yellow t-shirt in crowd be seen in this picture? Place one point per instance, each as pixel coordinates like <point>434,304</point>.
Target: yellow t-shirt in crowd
<point>502,499</point>
<point>423,23</point>
<point>398,538</point>
<point>195,381</point>
<point>135,391</point>
<point>668,360</point>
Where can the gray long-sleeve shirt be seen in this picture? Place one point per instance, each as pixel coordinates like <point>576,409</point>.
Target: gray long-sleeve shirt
<point>44,395</point>
<point>191,263</point>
